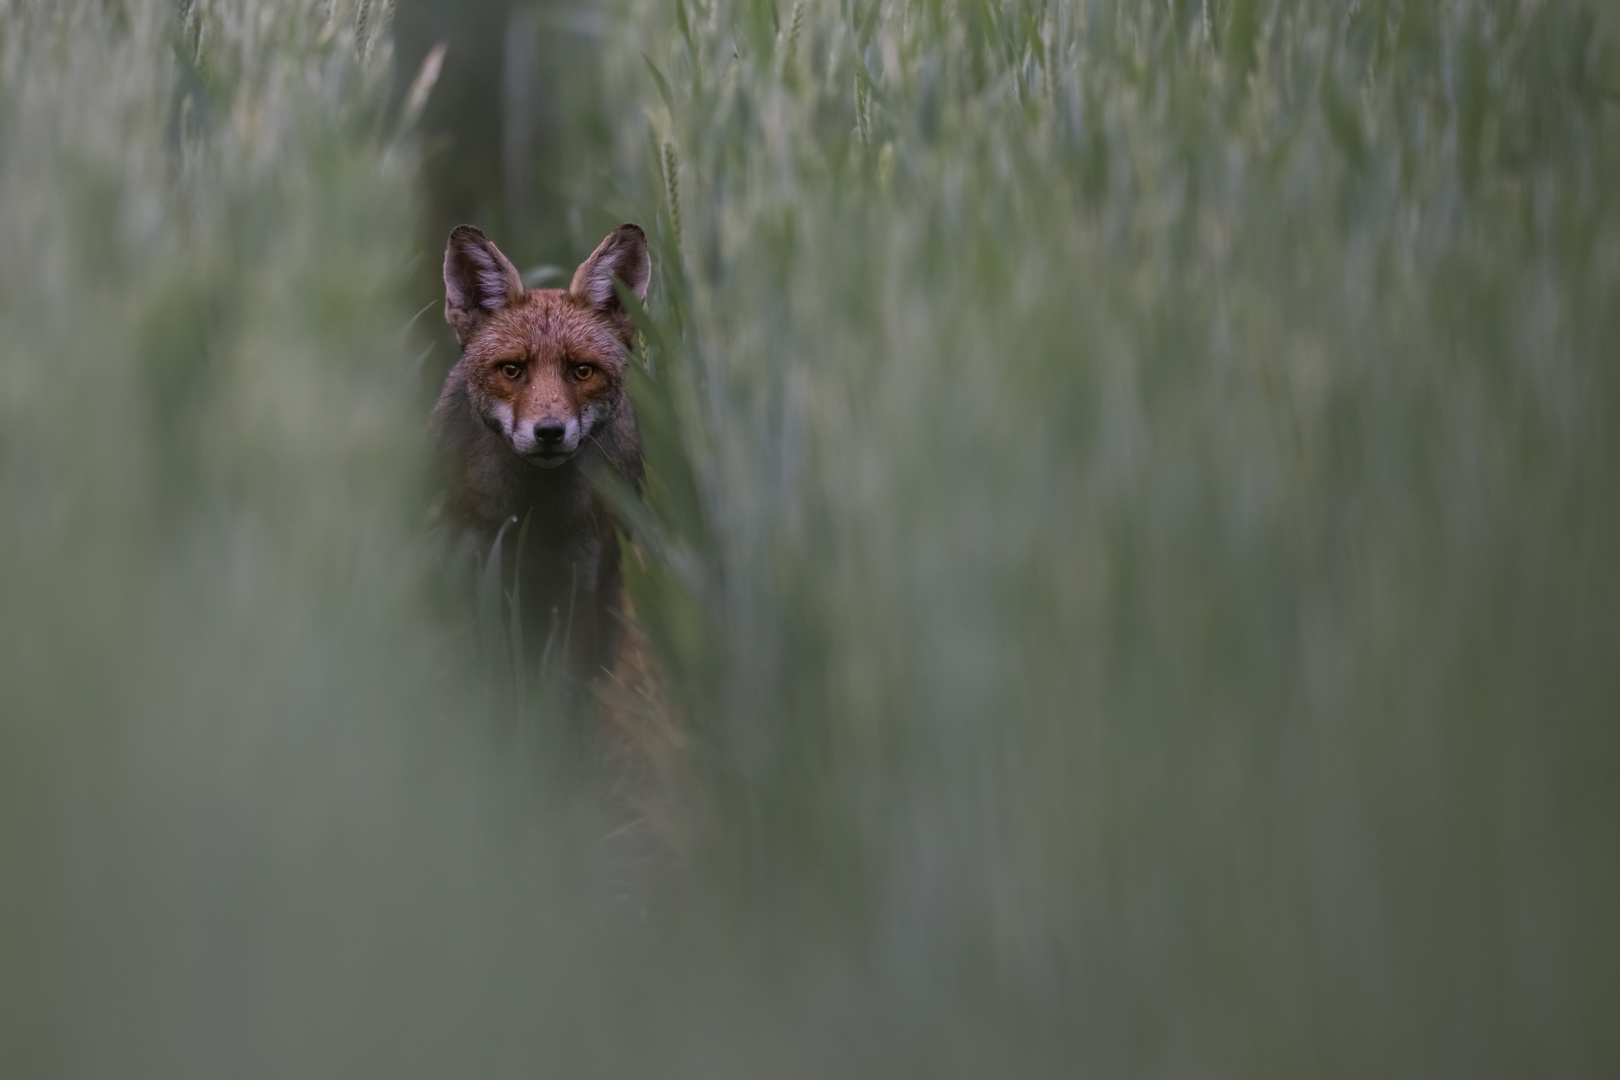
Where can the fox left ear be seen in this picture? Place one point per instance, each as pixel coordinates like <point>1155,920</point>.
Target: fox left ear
<point>622,255</point>
<point>478,279</point>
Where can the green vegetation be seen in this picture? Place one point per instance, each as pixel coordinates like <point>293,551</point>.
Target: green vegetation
<point>1160,463</point>
<point>1133,531</point>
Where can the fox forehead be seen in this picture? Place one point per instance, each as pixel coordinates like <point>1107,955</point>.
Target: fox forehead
<point>547,325</point>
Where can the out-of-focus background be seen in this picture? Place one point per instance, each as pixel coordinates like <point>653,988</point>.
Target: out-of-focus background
<point>1132,542</point>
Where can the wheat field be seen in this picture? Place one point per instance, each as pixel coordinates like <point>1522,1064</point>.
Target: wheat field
<point>1132,542</point>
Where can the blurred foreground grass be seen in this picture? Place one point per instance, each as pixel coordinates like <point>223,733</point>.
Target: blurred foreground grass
<point>251,823</point>
<point>1133,530</point>
<point>1158,464</point>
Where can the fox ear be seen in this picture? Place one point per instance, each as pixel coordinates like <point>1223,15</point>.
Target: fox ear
<point>622,255</point>
<point>478,279</point>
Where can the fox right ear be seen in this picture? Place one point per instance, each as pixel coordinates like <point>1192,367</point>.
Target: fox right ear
<point>478,279</point>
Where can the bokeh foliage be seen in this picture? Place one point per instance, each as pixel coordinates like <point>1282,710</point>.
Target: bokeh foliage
<point>1159,465</point>
<point>1131,531</point>
<point>255,817</point>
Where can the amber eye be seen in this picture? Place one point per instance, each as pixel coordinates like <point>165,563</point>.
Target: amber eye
<point>583,371</point>
<point>511,370</point>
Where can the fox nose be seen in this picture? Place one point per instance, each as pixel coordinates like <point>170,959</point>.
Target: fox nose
<point>548,433</point>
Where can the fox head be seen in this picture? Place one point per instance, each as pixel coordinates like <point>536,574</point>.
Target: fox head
<point>544,368</point>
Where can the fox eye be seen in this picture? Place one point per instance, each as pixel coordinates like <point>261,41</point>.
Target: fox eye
<point>583,371</point>
<point>511,370</point>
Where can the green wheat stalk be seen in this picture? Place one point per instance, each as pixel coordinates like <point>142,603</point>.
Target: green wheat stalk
<point>672,188</point>
<point>795,29</point>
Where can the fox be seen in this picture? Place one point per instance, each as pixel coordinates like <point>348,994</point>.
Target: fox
<point>535,405</point>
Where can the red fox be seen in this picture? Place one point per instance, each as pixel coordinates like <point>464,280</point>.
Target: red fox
<point>536,402</point>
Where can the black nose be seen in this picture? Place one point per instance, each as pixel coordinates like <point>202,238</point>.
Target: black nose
<point>549,432</point>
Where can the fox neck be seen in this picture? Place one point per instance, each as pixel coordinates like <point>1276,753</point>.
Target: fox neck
<point>504,486</point>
